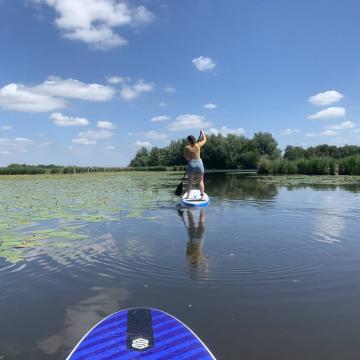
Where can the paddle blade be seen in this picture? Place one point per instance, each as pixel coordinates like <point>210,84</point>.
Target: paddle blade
<point>179,189</point>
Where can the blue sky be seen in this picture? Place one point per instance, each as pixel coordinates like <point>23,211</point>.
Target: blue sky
<point>89,81</point>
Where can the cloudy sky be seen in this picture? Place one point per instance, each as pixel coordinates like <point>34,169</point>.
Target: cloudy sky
<point>89,81</point>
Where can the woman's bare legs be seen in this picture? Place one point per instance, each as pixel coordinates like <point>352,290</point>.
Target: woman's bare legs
<point>201,184</point>
<point>189,185</point>
<point>191,178</point>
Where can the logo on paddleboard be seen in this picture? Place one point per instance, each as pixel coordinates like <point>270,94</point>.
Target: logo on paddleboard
<point>140,343</point>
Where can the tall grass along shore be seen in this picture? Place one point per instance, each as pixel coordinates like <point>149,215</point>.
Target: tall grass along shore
<point>313,166</point>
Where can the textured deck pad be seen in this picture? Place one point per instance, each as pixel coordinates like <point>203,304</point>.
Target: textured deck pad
<point>195,199</point>
<point>140,334</point>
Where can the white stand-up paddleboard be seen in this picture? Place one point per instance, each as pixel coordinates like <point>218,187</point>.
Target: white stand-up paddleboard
<point>195,199</point>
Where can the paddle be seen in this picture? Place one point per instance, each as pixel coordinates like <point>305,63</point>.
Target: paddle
<point>181,214</point>
<point>179,188</point>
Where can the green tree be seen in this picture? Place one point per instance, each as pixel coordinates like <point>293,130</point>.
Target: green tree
<point>266,145</point>
<point>294,153</point>
<point>142,158</point>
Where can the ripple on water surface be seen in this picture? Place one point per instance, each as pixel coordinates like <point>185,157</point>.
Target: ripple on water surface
<point>237,244</point>
<point>272,256</point>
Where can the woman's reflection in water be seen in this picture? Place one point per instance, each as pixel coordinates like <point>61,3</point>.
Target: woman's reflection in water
<point>198,264</point>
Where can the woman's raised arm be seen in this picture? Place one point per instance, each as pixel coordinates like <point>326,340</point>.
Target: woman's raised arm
<point>203,140</point>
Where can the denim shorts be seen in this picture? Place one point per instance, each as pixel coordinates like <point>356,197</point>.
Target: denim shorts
<point>195,166</point>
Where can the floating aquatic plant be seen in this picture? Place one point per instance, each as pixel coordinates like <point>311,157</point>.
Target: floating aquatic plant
<point>42,210</point>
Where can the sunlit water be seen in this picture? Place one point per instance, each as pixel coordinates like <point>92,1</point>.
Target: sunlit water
<point>264,272</point>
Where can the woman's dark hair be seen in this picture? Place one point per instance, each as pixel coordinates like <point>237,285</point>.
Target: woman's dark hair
<point>191,138</point>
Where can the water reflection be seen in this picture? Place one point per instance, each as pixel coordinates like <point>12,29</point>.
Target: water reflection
<point>198,264</point>
<point>330,220</point>
<point>239,187</point>
<point>83,316</point>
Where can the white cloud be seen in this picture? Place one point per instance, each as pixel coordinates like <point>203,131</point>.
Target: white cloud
<point>130,92</point>
<point>95,134</point>
<point>6,127</point>
<point>17,97</point>
<point>210,106</point>
<point>93,21</point>
<point>74,89</point>
<point>83,141</point>
<point>169,89</point>
<point>342,126</point>
<point>44,144</point>
<point>288,132</point>
<point>189,121</point>
<point>339,141</point>
<point>19,144</point>
<point>62,120</point>
<point>143,144</point>
<point>90,137</point>
<point>142,16</point>
<point>162,104</point>
<point>328,133</point>
<point>155,135</point>
<point>114,80</point>
<point>50,95</point>
<point>203,63</point>
<point>23,141</point>
<point>160,118</point>
<point>326,97</point>
<point>105,125</point>
<point>142,86</point>
<point>225,131</point>
<point>108,147</point>
<point>329,113</point>
<point>101,38</point>
<point>322,133</point>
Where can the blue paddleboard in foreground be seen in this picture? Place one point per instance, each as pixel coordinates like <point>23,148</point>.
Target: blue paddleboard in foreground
<point>195,199</point>
<point>140,333</point>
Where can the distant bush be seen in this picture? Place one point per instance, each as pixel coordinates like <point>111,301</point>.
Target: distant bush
<point>311,166</point>
<point>349,166</point>
<point>265,167</point>
<point>21,170</point>
<point>150,168</point>
<point>157,168</point>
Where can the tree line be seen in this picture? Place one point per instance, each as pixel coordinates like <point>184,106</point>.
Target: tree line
<point>331,151</point>
<point>24,169</point>
<point>260,152</point>
<point>220,152</point>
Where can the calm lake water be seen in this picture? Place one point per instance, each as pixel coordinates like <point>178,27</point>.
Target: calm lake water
<point>267,271</point>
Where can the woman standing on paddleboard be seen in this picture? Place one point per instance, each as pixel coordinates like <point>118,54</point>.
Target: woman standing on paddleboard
<point>195,168</point>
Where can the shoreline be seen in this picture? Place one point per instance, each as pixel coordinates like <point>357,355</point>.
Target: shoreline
<point>246,174</point>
